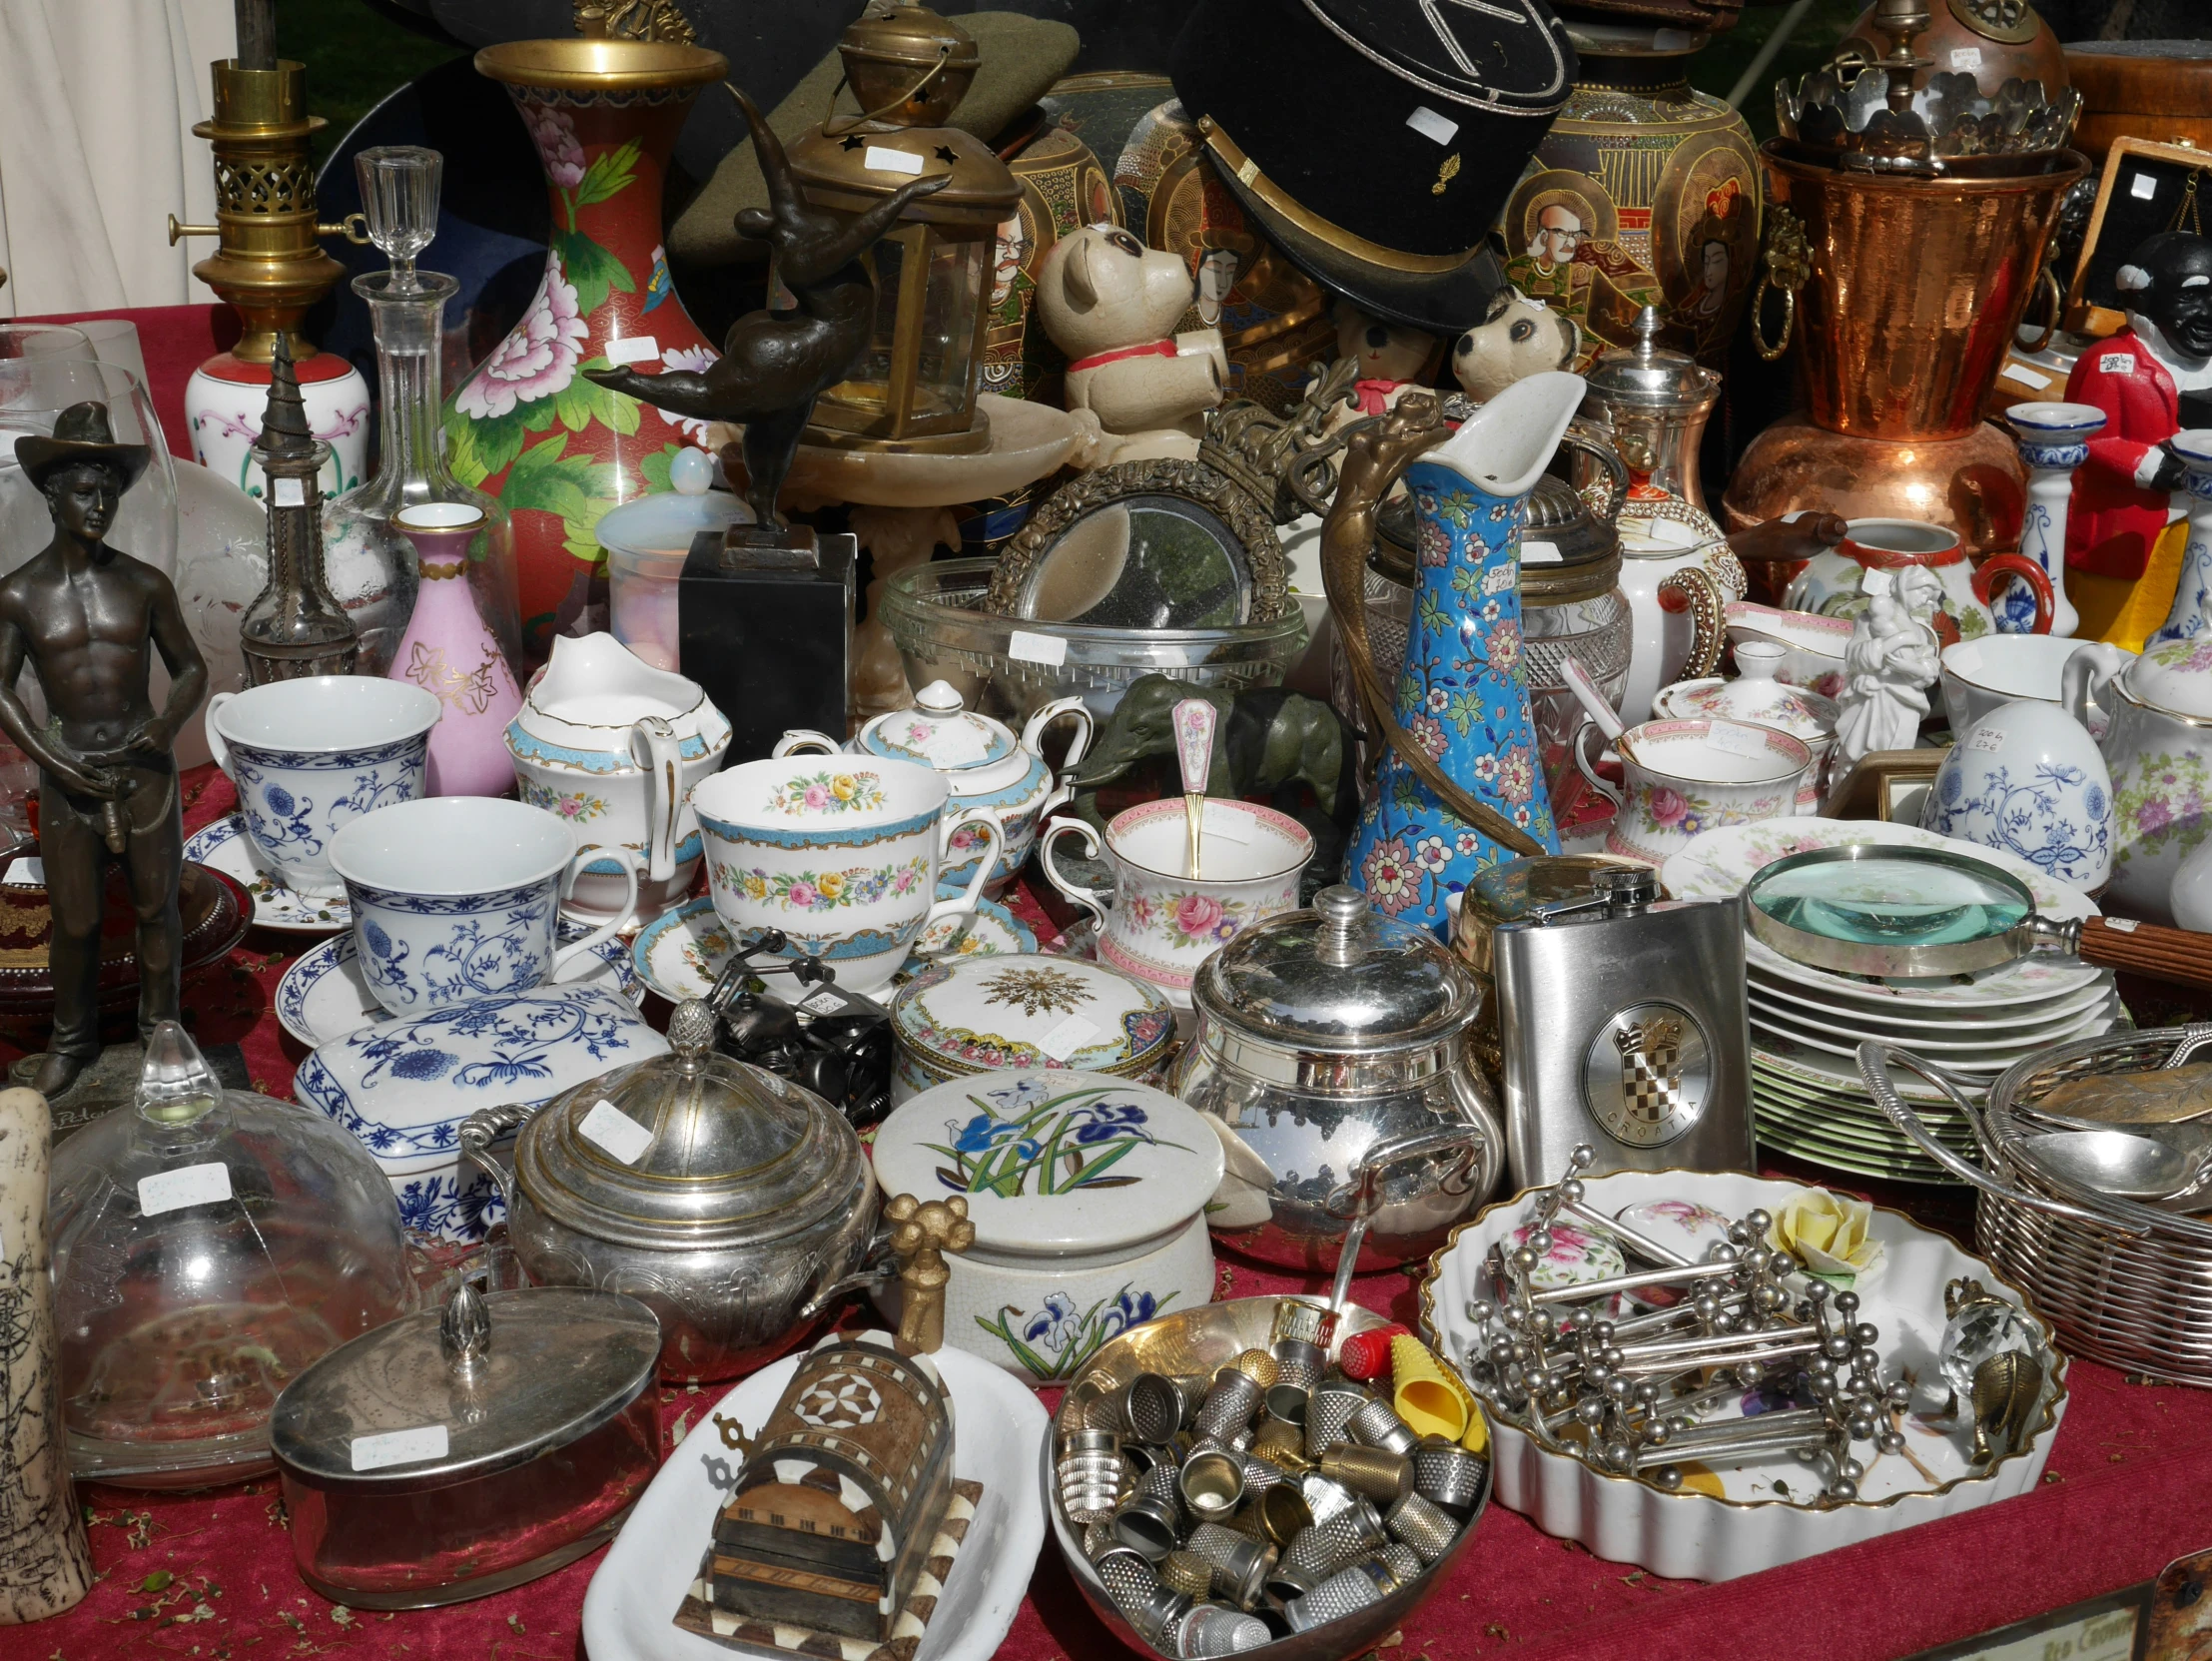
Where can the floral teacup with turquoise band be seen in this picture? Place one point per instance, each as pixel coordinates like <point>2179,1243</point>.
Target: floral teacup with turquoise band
<point>457,898</point>
<point>1160,922</point>
<point>839,852</point>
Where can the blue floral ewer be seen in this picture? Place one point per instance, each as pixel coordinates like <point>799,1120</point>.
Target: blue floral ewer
<point>1461,785</point>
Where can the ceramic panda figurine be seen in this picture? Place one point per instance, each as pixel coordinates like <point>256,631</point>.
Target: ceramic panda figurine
<point>1520,336</point>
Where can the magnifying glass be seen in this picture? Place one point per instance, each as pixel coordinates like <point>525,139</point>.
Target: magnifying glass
<point>1894,912</point>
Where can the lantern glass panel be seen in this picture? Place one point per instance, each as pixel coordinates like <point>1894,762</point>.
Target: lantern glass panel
<point>944,388</point>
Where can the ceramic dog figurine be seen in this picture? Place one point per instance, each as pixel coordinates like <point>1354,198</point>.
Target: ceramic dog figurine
<point>1520,336</point>
<point>1109,302</point>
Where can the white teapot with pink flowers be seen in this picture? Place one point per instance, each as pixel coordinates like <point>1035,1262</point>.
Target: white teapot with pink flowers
<point>2159,750</point>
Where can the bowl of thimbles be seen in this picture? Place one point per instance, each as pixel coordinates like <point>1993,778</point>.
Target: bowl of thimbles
<point>1264,1474</point>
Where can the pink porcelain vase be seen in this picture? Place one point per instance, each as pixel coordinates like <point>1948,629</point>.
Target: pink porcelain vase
<point>449,650</point>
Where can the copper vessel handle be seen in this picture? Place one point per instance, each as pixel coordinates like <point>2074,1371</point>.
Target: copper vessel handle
<point>2047,278</point>
<point>1694,591</point>
<point>1788,263</point>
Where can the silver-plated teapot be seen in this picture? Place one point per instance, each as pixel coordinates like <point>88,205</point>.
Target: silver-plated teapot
<point>728,1200</point>
<point>1332,1053</point>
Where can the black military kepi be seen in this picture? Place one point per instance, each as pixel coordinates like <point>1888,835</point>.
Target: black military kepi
<point>1375,141</point>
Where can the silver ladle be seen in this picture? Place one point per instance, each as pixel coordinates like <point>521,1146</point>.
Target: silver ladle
<point>2125,1163</point>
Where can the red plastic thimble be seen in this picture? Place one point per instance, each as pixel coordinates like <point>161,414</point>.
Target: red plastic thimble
<point>1366,1354</point>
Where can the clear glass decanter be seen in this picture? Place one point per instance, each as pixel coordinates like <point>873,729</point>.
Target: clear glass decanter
<point>371,565</point>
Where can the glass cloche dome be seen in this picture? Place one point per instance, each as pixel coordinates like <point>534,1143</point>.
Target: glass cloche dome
<point>208,1245</point>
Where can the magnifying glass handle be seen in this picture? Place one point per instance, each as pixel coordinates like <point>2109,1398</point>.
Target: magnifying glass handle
<point>2163,953</point>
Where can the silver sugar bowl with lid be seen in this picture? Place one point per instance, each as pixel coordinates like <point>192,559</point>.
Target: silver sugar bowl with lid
<point>726,1199</point>
<point>1332,1055</point>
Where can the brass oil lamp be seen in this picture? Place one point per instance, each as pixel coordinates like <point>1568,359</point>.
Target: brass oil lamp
<point>914,388</point>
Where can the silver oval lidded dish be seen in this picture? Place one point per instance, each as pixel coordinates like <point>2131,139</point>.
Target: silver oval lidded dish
<point>976,1015</point>
<point>1331,1055</point>
<point>458,1451</point>
<point>726,1198</point>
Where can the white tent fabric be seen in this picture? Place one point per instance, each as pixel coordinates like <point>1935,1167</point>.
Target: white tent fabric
<point>97,102</point>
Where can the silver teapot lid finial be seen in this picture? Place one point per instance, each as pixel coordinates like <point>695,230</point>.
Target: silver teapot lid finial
<point>691,1029</point>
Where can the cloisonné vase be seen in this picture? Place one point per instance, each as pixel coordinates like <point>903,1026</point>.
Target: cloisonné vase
<point>526,426</point>
<point>1462,695</point>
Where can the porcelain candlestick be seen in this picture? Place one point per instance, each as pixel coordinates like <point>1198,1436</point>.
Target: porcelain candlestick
<point>449,653</point>
<point>2191,616</point>
<point>2054,441</point>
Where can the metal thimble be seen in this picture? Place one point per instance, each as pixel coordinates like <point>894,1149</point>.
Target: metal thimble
<point>1373,1472</point>
<point>1260,1474</point>
<point>1149,1524</point>
<point>1447,1474</point>
<point>1280,1443</point>
<point>1343,1593</point>
<point>1090,1473</point>
<point>1285,1513</point>
<point>1211,1629</point>
<point>1228,1406</point>
<point>1105,1412</point>
<point>1286,1581</point>
<point>1158,1618</point>
<point>1240,1563</point>
<point>1211,1484</point>
<point>1422,1527</point>
<point>1188,1573</point>
<point>1329,1410</point>
<point>1298,1321</point>
<point>1338,1541</point>
<point>1154,1407</point>
<point>1097,1539</point>
<point>1323,1497</point>
<point>1299,1366</point>
<point>1128,1578</point>
<point>1377,1425</point>
<point>1403,1561</point>
<point>1257,1365</point>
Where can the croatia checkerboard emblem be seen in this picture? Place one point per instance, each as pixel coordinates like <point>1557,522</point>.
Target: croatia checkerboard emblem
<point>1647,1074</point>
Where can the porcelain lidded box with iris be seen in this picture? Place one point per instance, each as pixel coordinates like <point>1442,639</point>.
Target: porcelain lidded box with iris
<point>973,1015</point>
<point>986,766</point>
<point>1087,1194</point>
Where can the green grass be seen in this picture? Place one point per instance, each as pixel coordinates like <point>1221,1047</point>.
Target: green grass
<point>354,57</point>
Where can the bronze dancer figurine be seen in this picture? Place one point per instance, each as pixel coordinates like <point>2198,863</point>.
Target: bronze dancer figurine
<point>774,365</point>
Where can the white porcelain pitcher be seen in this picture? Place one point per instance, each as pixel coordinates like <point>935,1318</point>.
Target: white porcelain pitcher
<point>614,748</point>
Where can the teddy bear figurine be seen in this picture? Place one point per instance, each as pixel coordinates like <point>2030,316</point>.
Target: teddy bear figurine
<point>1391,357</point>
<point>1108,302</point>
<point>1518,336</point>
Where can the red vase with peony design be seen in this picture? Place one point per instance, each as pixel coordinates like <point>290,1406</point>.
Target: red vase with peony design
<point>526,426</point>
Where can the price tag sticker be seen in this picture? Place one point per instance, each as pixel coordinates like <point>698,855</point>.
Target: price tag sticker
<point>958,744</point>
<point>1436,128</point>
<point>1048,650</point>
<point>1967,58</point>
<point>2028,377</point>
<point>1541,554</point>
<point>880,158</point>
<point>1067,1038</point>
<point>1733,738</point>
<point>2115,363</point>
<point>400,1447</point>
<point>638,349</point>
<point>1986,739</point>
<point>1222,822</point>
<point>616,1132</point>
<point>2142,187</point>
<point>192,1185</point>
<point>26,873</point>
<point>828,1001</point>
<point>288,492</point>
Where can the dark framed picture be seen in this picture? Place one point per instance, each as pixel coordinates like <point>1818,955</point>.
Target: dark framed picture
<point>2146,188</point>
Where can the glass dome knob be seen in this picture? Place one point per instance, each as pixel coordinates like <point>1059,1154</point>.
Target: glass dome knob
<point>176,1085</point>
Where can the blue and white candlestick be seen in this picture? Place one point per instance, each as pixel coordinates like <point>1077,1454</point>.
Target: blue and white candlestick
<point>2054,441</point>
<point>2191,616</point>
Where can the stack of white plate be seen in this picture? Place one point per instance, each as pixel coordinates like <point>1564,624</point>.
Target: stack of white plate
<point>1808,1023</point>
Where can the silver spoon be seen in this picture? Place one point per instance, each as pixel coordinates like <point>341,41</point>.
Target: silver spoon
<point>2118,1162</point>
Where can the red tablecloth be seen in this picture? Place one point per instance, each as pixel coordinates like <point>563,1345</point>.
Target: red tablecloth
<point>2129,1487</point>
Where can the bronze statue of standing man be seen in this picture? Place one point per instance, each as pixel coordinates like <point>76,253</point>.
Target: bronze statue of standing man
<point>83,614</point>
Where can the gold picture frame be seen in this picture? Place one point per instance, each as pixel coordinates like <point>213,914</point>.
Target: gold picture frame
<point>2083,312</point>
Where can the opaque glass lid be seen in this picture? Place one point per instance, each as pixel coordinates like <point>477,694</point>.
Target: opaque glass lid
<point>973,1014</point>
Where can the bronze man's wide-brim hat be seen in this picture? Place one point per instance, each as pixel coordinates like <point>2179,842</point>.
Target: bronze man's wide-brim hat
<point>82,434</point>
<point>1375,141</point>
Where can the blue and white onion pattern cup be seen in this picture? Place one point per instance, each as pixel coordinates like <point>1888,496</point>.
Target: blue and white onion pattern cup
<point>457,898</point>
<point>310,756</point>
<point>842,853</point>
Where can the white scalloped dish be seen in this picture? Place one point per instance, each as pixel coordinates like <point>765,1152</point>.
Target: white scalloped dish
<point>1694,1536</point>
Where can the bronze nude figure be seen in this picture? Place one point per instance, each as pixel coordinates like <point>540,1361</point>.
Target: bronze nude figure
<point>775,363</point>
<point>83,614</point>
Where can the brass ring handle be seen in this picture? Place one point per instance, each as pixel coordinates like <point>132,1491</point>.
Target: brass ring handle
<point>2047,278</point>
<point>830,129</point>
<point>1772,350</point>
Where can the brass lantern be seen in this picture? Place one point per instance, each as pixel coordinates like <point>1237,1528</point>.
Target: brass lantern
<point>915,387</point>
